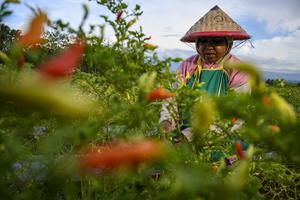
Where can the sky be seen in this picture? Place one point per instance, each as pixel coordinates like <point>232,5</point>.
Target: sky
<point>273,24</point>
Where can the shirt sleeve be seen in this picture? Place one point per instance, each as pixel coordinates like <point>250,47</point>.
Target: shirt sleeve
<point>237,78</point>
<point>187,67</point>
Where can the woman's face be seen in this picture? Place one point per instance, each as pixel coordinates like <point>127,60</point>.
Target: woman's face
<point>211,49</point>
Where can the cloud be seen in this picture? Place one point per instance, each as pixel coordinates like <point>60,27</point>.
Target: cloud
<point>279,15</point>
<point>171,35</point>
<point>179,53</point>
<point>280,53</point>
<point>175,17</point>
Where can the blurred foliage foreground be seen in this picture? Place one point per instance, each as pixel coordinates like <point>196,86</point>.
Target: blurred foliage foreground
<point>80,120</point>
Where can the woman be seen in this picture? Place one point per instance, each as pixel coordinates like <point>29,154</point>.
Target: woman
<point>213,36</point>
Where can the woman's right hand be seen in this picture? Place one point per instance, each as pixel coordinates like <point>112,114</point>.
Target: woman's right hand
<point>167,126</point>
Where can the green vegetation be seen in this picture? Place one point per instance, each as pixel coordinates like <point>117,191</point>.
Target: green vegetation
<point>89,128</point>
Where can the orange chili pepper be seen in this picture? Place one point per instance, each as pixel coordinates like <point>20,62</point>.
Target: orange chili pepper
<point>120,155</point>
<point>159,94</point>
<point>21,61</point>
<point>274,128</point>
<point>233,120</point>
<point>239,149</point>
<point>266,101</point>
<point>34,33</point>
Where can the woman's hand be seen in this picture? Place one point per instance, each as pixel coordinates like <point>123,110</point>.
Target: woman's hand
<point>167,126</point>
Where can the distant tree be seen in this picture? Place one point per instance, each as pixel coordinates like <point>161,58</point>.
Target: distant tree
<point>55,41</point>
<point>269,81</point>
<point>7,36</point>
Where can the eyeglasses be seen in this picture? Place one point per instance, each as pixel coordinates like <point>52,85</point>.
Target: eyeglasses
<point>216,41</point>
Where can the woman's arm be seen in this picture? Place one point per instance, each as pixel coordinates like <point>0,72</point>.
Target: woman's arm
<point>167,112</point>
<point>238,81</point>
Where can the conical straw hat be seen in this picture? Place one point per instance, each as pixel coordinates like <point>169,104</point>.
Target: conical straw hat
<point>215,23</point>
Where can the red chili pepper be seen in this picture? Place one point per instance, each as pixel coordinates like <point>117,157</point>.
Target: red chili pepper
<point>120,155</point>
<point>63,64</point>
<point>274,128</point>
<point>147,38</point>
<point>119,15</point>
<point>159,94</point>
<point>233,119</point>
<point>34,33</point>
<point>266,101</point>
<point>239,149</point>
<point>20,62</point>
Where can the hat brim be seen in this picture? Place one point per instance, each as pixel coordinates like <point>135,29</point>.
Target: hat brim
<point>192,37</point>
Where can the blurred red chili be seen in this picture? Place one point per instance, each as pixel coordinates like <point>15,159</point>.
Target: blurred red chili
<point>147,38</point>
<point>34,33</point>
<point>119,15</point>
<point>20,62</point>
<point>274,128</point>
<point>266,101</point>
<point>63,64</point>
<point>239,149</point>
<point>159,94</point>
<point>120,155</point>
<point>233,120</point>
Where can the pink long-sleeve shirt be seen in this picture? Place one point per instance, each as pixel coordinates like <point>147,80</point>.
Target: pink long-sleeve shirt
<point>236,78</point>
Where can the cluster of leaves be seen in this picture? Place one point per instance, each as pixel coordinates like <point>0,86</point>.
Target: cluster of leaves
<point>7,35</point>
<point>88,135</point>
